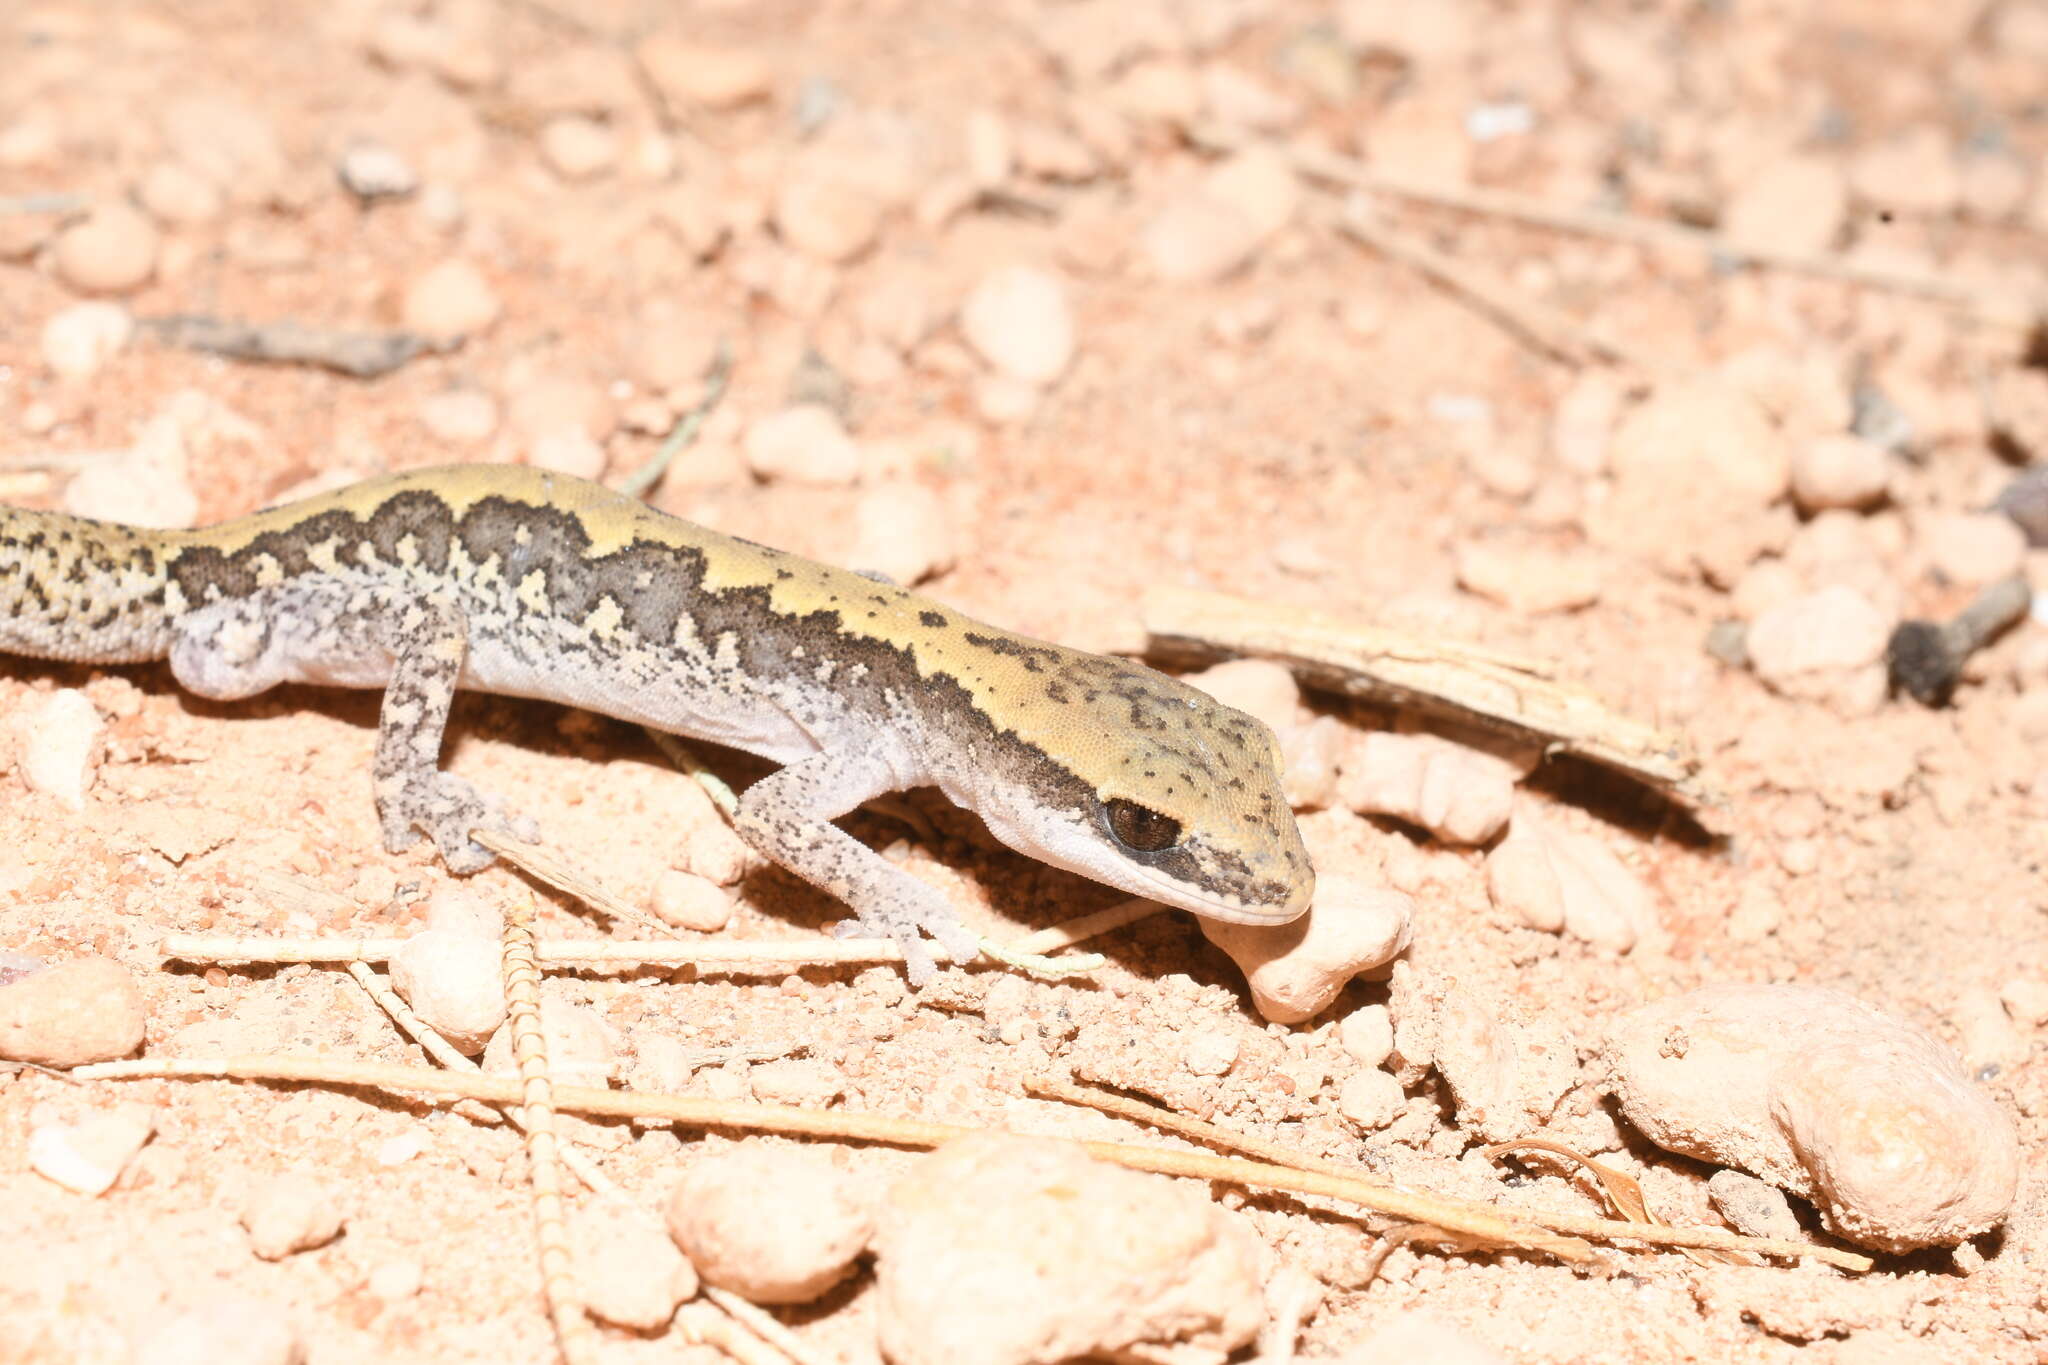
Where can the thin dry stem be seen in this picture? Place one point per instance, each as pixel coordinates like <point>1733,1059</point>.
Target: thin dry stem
<point>573,1331</point>
<point>919,1133</point>
<point>1997,307</point>
<point>703,1324</point>
<point>1415,1208</point>
<point>768,1327</point>
<point>1544,328</point>
<point>546,863</point>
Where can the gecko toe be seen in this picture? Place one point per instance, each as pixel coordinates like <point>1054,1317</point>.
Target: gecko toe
<point>449,810</point>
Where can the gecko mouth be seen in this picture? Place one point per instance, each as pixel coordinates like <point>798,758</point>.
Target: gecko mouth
<point>1286,905</point>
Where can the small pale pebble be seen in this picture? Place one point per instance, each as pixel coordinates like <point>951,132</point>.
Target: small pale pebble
<point>629,1270</point>
<point>1212,1052</point>
<point>1826,1097</point>
<point>400,1148</point>
<point>1461,795</point>
<point>223,1328</point>
<point>690,76</point>
<point>902,529</point>
<point>1752,1207</point>
<point>2026,1000</point>
<point>146,485</point>
<point>1295,970</point>
<point>669,351</point>
<point>78,340</point>
<point>661,1064</point>
<point>1558,879</point>
<point>991,153</point>
<point>1158,90</point>
<point>1840,471</point>
<point>1994,187</point>
<point>827,218</point>
<point>86,1009</point>
<point>771,1222</point>
<point>1060,1257</point>
<point>942,201</point>
<point>87,1157</point>
<point>713,851</point>
<point>1506,1071</point>
<point>1261,183</point>
<point>291,1212</point>
<point>1367,1035</point>
<point>1370,1100</point>
<point>453,981</point>
<point>578,1043</point>
<point>396,1281</point>
<point>449,300</point>
<point>646,416</point>
<point>1197,238</point>
<point>802,444</point>
<point>797,1081</point>
<point>177,196</point>
<point>1529,579</point>
<point>1050,154</point>
<point>1018,319</point>
<point>61,744</point>
<point>1694,468</point>
<point>570,451</point>
<point>1800,857</point>
<point>1239,99</point>
<point>1312,755</point>
<point>1260,688</point>
<point>577,147</point>
<point>1003,401</point>
<point>549,404</point>
<point>464,417</point>
<point>1990,1042</point>
<point>1822,646</point>
<point>1584,420</point>
<point>39,418</point>
<point>689,901</point>
<point>371,171</point>
<point>1797,203</point>
<point>458,908</point>
<point>1417,1336</point>
<point>1972,547</point>
<point>1913,172</point>
<point>111,251</point>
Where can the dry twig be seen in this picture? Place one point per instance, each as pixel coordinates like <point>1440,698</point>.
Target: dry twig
<point>1543,327</point>
<point>362,355</point>
<point>1460,682</point>
<point>845,1125</point>
<point>1428,1210</point>
<point>1987,305</point>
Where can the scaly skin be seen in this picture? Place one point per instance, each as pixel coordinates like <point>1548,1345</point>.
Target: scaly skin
<point>512,580</point>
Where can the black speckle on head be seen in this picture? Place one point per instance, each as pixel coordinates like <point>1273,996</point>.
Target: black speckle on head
<point>931,618</point>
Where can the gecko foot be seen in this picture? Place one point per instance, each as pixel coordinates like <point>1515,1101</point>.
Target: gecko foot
<point>907,921</point>
<point>447,808</point>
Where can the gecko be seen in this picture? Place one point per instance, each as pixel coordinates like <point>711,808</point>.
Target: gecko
<point>522,582</point>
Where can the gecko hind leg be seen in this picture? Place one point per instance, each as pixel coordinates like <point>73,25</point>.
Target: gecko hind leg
<point>338,634</point>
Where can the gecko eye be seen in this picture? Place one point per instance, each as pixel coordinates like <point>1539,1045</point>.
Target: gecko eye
<point>1139,829</point>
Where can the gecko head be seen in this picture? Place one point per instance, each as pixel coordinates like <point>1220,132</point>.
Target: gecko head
<point>1168,794</point>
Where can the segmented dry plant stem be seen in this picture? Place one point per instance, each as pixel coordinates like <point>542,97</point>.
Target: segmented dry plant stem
<point>537,1115</point>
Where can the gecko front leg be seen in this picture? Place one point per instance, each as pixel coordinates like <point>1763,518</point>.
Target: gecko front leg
<point>788,817</point>
<point>327,632</point>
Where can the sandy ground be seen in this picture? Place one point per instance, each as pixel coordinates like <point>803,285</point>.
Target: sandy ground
<point>1252,403</point>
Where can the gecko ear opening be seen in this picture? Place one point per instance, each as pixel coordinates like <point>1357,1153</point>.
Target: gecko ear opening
<point>1139,829</point>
